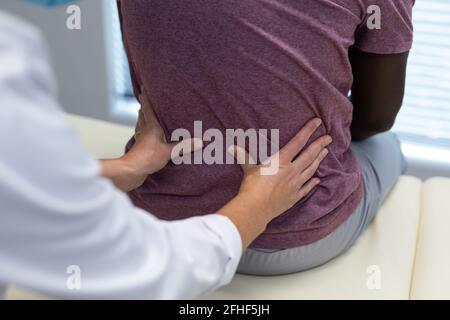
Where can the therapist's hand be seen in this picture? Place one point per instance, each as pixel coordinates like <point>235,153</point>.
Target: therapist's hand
<point>262,198</point>
<point>149,154</point>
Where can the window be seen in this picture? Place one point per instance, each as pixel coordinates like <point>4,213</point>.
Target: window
<point>425,115</point>
<point>122,78</point>
<point>124,107</point>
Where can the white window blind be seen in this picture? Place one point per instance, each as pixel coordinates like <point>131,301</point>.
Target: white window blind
<point>425,115</point>
<point>122,78</point>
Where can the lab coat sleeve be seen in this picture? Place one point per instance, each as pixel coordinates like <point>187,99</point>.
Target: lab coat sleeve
<point>67,232</point>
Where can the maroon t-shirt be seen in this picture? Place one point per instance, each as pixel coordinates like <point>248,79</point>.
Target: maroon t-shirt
<point>272,64</point>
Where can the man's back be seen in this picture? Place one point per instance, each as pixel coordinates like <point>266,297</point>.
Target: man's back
<point>271,64</point>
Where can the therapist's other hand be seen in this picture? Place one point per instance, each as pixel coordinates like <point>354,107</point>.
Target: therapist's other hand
<point>262,198</point>
<point>149,154</point>
<point>151,151</point>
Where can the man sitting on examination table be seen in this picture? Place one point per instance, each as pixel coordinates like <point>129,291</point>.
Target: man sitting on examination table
<point>276,64</point>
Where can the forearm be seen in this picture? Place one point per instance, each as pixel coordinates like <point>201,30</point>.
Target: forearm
<point>365,125</point>
<point>377,91</point>
<point>250,220</point>
<point>121,174</point>
<point>361,131</point>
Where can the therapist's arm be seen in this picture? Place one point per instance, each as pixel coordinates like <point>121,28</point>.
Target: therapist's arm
<point>67,232</point>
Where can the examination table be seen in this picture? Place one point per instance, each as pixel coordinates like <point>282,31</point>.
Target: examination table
<point>404,254</point>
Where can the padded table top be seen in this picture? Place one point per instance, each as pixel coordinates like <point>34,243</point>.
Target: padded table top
<point>386,249</point>
<point>432,268</point>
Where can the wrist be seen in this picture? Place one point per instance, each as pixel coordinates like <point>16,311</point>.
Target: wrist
<point>139,163</point>
<point>132,172</point>
<point>247,218</point>
<point>123,174</point>
<point>132,164</point>
<point>254,205</point>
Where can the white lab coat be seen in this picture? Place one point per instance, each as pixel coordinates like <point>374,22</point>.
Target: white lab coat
<point>57,214</point>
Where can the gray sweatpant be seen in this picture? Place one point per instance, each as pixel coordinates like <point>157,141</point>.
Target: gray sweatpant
<point>381,163</point>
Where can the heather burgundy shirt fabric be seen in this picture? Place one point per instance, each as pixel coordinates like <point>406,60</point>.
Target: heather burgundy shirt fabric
<point>271,64</point>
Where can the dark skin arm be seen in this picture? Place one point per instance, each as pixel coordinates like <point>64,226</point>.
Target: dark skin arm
<point>377,91</point>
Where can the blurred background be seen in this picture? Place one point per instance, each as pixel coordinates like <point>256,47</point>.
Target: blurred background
<point>92,72</point>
